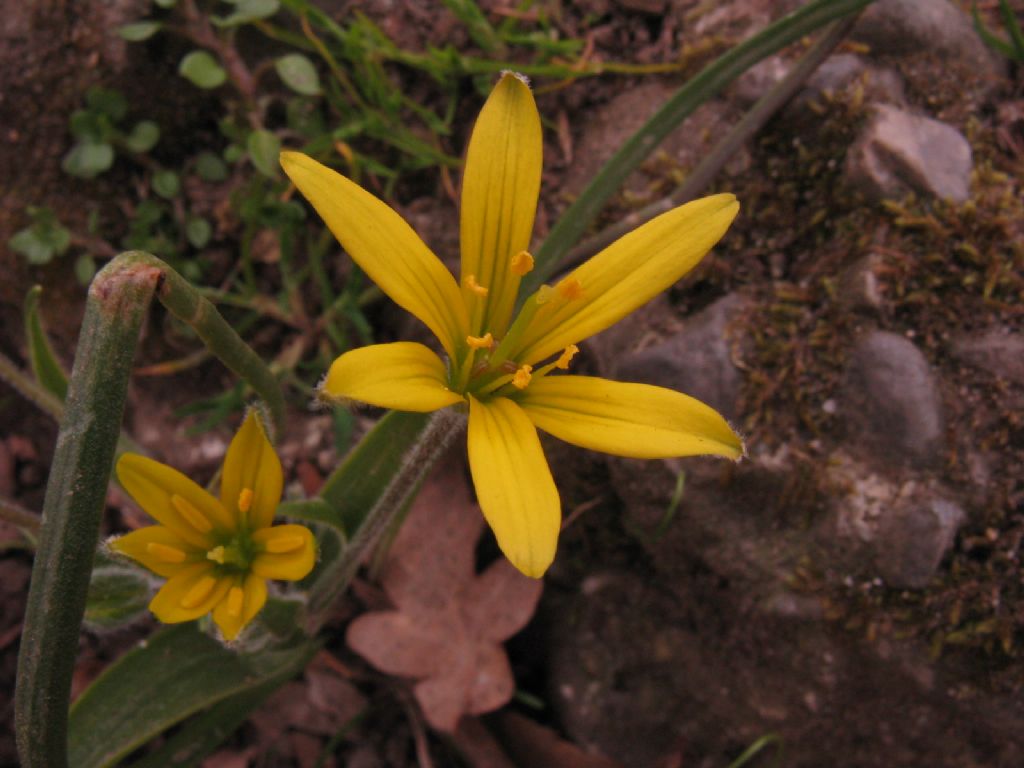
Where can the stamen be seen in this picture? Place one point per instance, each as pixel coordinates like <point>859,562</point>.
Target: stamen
<point>216,554</point>
<point>567,355</point>
<point>570,289</point>
<point>474,286</point>
<point>522,263</point>
<point>236,598</point>
<point>192,516</point>
<point>480,342</point>
<point>165,553</point>
<point>199,592</point>
<point>522,377</point>
<point>245,500</point>
<point>282,544</point>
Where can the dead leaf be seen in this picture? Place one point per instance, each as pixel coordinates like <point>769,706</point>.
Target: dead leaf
<point>449,622</point>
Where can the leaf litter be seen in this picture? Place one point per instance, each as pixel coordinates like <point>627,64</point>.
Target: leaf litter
<point>448,624</point>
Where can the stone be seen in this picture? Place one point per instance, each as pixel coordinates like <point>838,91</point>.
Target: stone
<point>698,360</point>
<point>915,535</point>
<point>898,530</point>
<point>891,402</point>
<point>837,72</point>
<point>995,351</point>
<point>909,26</point>
<point>898,152</point>
<point>858,287</point>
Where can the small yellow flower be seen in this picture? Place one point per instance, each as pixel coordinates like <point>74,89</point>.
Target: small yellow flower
<point>497,363</point>
<point>215,553</point>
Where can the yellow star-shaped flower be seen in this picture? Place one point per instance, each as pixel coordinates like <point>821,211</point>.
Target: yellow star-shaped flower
<point>215,553</point>
<point>499,364</point>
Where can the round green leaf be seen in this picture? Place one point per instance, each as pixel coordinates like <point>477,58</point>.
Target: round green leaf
<point>166,184</point>
<point>143,137</point>
<point>85,268</point>
<point>210,167</point>
<point>27,244</point>
<point>233,153</point>
<point>198,231</point>
<point>165,3</point>
<point>202,69</point>
<point>87,160</point>
<point>298,73</point>
<point>246,11</point>
<point>139,31</point>
<point>264,147</point>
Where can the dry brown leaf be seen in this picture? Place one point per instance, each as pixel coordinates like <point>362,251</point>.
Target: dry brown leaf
<point>449,622</point>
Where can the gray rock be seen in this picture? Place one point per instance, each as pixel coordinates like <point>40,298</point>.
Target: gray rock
<point>891,401</point>
<point>897,530</point>
<point>698,360</point>
<point>915,536</point>
<point>908,26</point>
<point>898,152</point>
<point>858,286</point>
<point>995,351</point>
<point>838,72</point>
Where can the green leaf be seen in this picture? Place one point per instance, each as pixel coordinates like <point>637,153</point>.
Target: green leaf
<point>143,137</point>
<point>202,69</point>
<point>43,239</point>
<point>87,160</point>
<point>246,11</point>
<point>175,674</point>
<point>210,167</point>
<point>87,126</point>
<point>198,231</point>
<point>45,366</point>
<point>166,184</point>
<point>264,148</point>
<point>298,73</point>
<point>107,101</point>
<point>85,268</point>
<point>165,3</point>
<point>139,31</point>
<point>118,594</point>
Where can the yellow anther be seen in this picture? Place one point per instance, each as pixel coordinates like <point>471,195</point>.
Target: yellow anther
<point>474,286</point>
<point>216,554</point>
<point>522,263</point>
<point>245,500</point>
<point>567,355</point>
<point>570,289</point>
<point>522,377</point>
<point>236,598</point>
<point>164,553</point>
<point>281,544</point>
<point>192,516</point>
<point>480,342</point>
<point>199,592</point>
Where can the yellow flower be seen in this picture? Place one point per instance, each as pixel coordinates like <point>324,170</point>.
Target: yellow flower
<point>216,554</point>
<point>498,364</point>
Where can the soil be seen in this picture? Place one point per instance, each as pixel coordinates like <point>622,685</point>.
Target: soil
<point>740,619</point>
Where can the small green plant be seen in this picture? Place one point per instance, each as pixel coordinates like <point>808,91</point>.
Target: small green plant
<point>1014,47</point>
<point>41,240</point>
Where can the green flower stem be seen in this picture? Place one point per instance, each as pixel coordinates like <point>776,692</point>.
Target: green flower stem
<point>185,302</point>
<point>724,151</point>
<point>442,428</point>
<point>17,515</point>
<point>118,300</point>
<point>707,84</point>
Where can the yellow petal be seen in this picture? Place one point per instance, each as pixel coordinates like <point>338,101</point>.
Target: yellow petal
<point>159,549</point>
<point>513,484</point>
<point>626,275</point>
<point>244,600</point>
<point>173,500</point>
<point>404,375</point>
<point>189,594</point>
<point>499,199</point>
<point>386,248</point>
<point>252,464</point>
<point>288,552</point>
<point>636,420</point>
